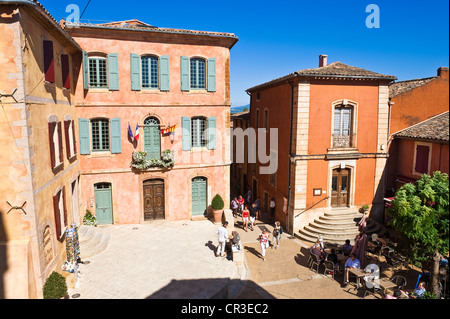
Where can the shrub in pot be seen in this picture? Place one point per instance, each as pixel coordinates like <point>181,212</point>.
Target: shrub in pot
<point>55,286</point>
<point>217,206</point>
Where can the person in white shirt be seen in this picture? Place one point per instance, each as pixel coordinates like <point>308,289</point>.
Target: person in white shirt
<point>223,237</point>
<point>272,208</point>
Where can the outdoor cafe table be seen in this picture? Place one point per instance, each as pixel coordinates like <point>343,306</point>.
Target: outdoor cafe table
<point>386,284</point>
<point>359,273</point>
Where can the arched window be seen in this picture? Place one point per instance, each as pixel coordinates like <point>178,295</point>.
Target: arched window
<point>344,124</point>
<point>98,70</point>
<point>198,74</point>
<point>152,138</point>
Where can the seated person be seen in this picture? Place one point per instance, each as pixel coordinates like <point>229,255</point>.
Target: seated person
<point>332,257</point>
<point>443,262</point>
<point>416,293</point>
<point>317,250</point>
<point>351,263</point>
<point>347,248</point>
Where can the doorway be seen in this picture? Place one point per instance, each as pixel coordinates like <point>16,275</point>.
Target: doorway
<point>199,196</point>
<point>103,203</point>
<point>154,199</point>
<point>340,185</point>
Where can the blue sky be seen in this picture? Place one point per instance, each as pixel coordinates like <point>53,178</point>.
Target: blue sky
<point>279,37</point>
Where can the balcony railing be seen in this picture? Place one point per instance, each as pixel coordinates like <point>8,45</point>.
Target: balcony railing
<point>343,141</point>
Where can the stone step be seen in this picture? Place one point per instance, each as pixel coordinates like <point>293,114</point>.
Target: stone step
<point>93,240</point>
<point>308,236</point>
<point>330,228</point>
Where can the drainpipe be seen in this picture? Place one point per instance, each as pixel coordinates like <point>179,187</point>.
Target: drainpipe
<point>290,153</point>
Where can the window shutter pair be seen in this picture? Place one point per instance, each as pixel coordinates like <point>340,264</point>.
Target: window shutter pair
<point>186,133</point>
<point>52,126</point>
<point>67,133</point>
<point>115,134</point>
<point>185,67</point>
<point>113,71</point>
<point>57,212</point>
<point>164,74</point>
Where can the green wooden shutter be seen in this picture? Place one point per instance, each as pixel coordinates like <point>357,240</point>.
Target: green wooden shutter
<point>212,75</point>
<point>164,75</point>
<point>184,66</point>
<point>83,130</point>
<point>116,143</point>
<point>113,71</point>
<point>212,133</point>
<point>186,133</point>
<point>85,71</point>
<point>135,72</point>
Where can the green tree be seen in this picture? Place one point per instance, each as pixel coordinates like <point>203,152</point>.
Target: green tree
<point>420,214</point>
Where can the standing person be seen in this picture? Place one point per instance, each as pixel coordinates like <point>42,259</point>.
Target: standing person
<point>249,196</point>
<point>276,235</point>
<point>241,203</point>
<point>258,207</point>
<point>272,208</point>
<point>223,237</point>
<point>245,215</point>
<point>253,215</point>
<point>234,206</point>
<point>360,247</point>
<point>264,242</point>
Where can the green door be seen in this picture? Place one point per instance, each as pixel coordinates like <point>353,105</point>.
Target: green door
<point>152,138</point>
<point>103,203</point>
<point>199,198</point>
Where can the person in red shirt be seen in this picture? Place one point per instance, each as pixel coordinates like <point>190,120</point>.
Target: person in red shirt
<point>241,203</point>
<point>245,215</point>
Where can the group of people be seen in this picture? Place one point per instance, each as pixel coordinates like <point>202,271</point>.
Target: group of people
<point>264,239</point>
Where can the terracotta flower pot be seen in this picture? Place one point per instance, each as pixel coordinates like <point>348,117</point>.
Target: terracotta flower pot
<point>217,216</point>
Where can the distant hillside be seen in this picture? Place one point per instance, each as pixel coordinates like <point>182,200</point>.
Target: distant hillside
<point>238,109</point>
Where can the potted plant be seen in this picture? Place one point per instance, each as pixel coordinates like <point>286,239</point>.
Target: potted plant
<point>89,219</point>
<point>217,206</point>
<point>55,287</point>
<point>364,208</point>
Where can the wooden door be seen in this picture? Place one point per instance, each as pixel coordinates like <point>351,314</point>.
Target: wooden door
<point>340,185</point>
<point>152,138</point>
<point>199,196</point>
<point>154,207</point>
<point>103,203</point>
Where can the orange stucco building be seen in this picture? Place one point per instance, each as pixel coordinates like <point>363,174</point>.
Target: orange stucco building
<point>138,75</point>
<point>332,141</point>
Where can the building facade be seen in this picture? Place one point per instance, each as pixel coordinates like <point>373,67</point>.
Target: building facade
<point>39,161</point>
<point>332,140</point>
<point>137,77</point>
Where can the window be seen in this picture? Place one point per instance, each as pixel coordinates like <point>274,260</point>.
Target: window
<point>149,72</point>
<point>422,158</point>
<point>103,134</point>
<point>55,142</point>
<point>69,132</point>
<point>257,120</point>
<point>266,119</point>
<point>198,132</point>
<point>100,135</point>
<point>65,68</point>
<point>49,62</point>
<point>60,212</point>
<point>344,124</point>
<point>198,75</point>
<point>98,73</point>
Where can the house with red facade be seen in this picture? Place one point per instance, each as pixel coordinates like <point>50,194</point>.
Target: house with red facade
<point>333,131</point>
<point>162,91</point>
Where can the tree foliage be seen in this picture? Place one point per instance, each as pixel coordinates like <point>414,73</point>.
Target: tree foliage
<point>420,214</point>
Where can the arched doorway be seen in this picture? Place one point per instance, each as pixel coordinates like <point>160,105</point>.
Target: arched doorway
<point>154,199</point>
<point>199,196</point>
<point>340,187</point>
<point>103,203</point>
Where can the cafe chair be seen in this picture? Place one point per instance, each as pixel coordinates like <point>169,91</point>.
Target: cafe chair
<point>314,261</point>
<point>330,267</point>
<point>400,281</point>
<point>392,263</point>
<point>372,290</point>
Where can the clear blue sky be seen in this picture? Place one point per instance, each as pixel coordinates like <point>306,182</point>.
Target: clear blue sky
<point>279,37</point>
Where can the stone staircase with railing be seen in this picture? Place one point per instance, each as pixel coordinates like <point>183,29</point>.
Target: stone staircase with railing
<point>336,226</point>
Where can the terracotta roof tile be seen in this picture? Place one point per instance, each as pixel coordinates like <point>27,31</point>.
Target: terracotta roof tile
<point>434,129</point>
<point>397,88</point>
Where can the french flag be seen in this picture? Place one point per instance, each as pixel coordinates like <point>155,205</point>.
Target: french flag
<point>136,136</point>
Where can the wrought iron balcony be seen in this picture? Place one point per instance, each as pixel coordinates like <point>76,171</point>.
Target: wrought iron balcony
<point>343,141</point>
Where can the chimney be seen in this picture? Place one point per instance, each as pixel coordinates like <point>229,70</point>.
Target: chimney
<point>322,60</point>
<point>442,72</point>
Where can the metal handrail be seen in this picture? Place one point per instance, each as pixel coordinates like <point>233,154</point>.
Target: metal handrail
<point>311,206</point>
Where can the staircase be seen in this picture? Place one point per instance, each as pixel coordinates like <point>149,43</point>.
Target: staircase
<point>93,240</point>
<point>336,226</point>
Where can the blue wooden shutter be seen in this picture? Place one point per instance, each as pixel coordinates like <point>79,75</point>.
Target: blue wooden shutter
<point>184,66</point>
<point>83,130</point>
<point>135,72</point>
<point>212,75</point>
<point>186,133</point>
<point>212,133</point>
<point>113,71</point>
<point>116,143</point>
<point>164,74</point>
<point>85,71</point>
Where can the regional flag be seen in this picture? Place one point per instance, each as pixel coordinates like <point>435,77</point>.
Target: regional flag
<point>136,136</point>
<point>130,133</point>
